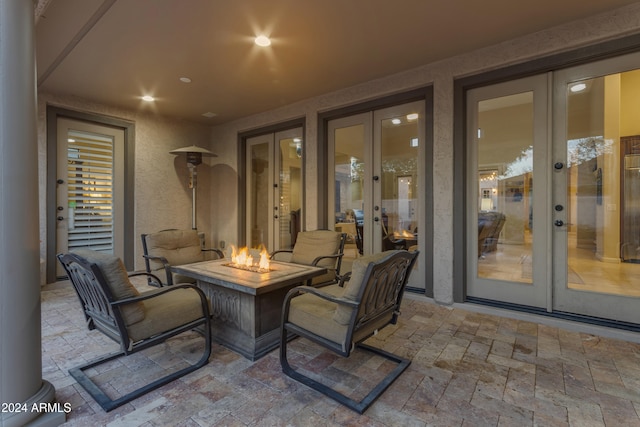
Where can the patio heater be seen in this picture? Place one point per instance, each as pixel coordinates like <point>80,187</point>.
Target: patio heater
<point>194,158</point>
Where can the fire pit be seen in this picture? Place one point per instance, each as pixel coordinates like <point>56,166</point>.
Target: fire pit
<point>243,260</point>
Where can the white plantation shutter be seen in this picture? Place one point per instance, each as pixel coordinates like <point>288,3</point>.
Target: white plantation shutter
<point>90,191</point>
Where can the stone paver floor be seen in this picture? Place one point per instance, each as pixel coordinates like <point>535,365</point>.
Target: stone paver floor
<point>468,369</point>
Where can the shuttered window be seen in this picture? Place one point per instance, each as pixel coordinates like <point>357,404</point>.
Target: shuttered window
<point>90,191</point>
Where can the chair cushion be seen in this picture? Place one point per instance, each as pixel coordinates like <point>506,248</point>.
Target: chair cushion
<point>356,282</point>
<point>315,314</point>
<point>312,244</point>
<point>183,304</point>
<point>118,282</point>
<point>177,246</point>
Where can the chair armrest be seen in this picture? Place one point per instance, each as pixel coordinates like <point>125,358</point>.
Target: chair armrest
<point>279,251</point>
<point>149,275</point>
<point>318,259</point>
<point>337,257</point>
<point>216,250</point>
<point>165,265</point>
<point>317,292</point>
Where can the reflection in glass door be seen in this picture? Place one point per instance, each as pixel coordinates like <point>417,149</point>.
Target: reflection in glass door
<point>288,191</point>
<point>349,147</point>
<point>376,180</point>
<point>274,189</point>
<point>596,190</point>
<point>507,242</point>
<point>397,131</point>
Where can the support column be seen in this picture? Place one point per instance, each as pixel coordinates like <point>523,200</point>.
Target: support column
<point>25,397</point>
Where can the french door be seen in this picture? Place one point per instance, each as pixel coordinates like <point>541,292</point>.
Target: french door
<point>553,191</point>
<point>508,192</point>
<point>596,238</point>
<point>90,188</point>
<point>377,180</point>
<point>274,189</point>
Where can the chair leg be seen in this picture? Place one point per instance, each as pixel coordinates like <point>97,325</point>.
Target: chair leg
<point>358,407</point>
<point>109,404</point>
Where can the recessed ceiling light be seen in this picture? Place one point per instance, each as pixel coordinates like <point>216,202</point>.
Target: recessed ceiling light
<point>185,79</point>
<point>148,98</point>
<point>396,121</point>
<point>578,87</point>
<point>262,40</point>
<point>412,116</point>
<point>209,114</point>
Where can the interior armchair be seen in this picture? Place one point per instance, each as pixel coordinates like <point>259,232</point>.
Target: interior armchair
<point>134,320</point>
<point>341,318</point>
<point>165,248</point>
<point>321,248</point>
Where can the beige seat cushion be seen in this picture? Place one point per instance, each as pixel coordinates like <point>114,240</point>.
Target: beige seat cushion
<point>355,283</point>
<point>166,312</point>
<point>177,246</point>
<point>315,314</point>
<point>312,244</point>
<point>118,282</point>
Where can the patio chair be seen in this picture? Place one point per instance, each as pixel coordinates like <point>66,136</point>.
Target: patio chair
<point>134,320</point>
<point>341,318</point>
<point>321,248</point>
<point>165,248</point>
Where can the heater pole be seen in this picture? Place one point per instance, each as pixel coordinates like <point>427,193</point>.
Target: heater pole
<point>193,184</point>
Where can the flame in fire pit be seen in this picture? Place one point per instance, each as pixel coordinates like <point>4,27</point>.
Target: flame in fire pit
<point>242,258</point>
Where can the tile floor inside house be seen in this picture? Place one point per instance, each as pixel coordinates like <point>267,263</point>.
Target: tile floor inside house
<point>468,369</point>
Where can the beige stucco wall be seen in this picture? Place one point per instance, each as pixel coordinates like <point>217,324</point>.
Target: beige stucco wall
<point>441,75</point>
<point>162,196</point>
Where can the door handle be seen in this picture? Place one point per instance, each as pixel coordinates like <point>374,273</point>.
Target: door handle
<point>60,218</point>
<point>558,223</point>
<point>376,219</point>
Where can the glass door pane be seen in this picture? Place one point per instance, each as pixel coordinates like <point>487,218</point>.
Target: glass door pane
<point>287,194</point>
<point>596,234</point>
<point>507,192</point>
<point>259,191</point>
<point>504,182</point>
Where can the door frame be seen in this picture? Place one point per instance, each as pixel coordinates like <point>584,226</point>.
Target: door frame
<point>53,113</point>
<point>424,94</point>
<point>242,169</point>
<point>555,62</point>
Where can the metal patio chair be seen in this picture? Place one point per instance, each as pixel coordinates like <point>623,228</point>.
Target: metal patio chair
<point>165,248</point>
<point>341,318</point>
<point>134,320</point>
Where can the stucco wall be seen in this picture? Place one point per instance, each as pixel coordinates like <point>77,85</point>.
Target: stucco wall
<point>441,75</point>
